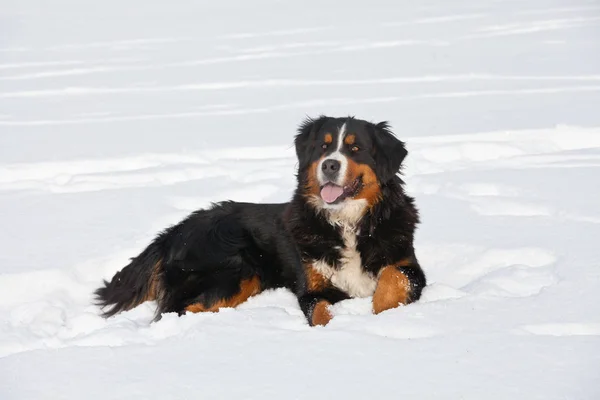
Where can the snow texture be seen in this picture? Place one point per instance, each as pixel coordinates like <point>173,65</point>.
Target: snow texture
<point>119,118</point>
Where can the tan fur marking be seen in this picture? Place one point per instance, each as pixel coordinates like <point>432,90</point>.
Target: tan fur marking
<point>314,279</point>
<point>393,289</point>
<point>248,288</point>
<point>154,282</point>
<point>371,191</point>
<point>328,138</point>
<point>404,262</point>
<point>350,139</point>
<point>321,315</point>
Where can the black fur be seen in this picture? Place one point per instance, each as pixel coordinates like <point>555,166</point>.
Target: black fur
<point>130,286</point>
<point>206,256</point>
<point>203,259</point>
<point>389,151</point>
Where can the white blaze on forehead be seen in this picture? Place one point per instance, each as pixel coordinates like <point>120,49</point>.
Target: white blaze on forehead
<point>341,135</point>
<point>336,155</point>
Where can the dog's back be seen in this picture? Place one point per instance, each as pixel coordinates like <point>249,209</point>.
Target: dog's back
<point>214,258</point>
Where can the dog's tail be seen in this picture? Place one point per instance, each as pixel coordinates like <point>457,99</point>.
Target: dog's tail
<point>141,280</point>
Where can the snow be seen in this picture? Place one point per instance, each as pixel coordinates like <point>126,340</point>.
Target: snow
<point>117,119</point>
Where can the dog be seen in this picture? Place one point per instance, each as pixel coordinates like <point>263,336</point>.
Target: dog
<point>347,232</point>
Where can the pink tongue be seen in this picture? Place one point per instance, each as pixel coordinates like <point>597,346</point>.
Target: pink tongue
<point>331,193</point>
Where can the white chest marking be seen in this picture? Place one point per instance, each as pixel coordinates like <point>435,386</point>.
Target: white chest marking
<point>350,277</point>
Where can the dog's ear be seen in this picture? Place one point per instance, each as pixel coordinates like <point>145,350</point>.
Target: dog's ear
<point>305,139</point>
<point>388,152</point>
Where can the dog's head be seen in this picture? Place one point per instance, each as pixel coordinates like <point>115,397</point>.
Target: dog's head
<point>346,161</point>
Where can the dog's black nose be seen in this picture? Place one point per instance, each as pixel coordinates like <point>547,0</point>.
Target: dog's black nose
<point>330,167</point>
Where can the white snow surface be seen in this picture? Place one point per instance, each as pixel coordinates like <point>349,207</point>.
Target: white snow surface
<point>119,118</point>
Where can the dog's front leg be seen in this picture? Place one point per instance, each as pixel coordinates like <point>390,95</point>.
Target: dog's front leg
<point>316,294</point>
<point>315,305</point>
<point>399,283</point>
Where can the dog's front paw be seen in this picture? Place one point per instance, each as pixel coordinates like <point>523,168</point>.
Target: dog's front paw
<point>392,290</point>
<point>320,314</point>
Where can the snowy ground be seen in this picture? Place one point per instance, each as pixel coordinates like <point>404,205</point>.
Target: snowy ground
<point>118,118</point>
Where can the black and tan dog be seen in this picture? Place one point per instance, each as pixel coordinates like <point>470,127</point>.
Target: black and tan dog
<point>347,232</point>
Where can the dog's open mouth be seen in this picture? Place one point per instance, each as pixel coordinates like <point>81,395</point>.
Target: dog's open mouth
<point>332,193</point>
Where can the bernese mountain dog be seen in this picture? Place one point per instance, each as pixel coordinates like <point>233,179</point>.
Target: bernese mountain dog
<point>347,232</point>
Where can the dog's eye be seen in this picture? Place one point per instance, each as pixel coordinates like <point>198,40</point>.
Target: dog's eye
<point>324,146</point>
<point>355,149</point>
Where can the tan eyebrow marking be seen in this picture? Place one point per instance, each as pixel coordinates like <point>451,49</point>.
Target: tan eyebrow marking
<point>328,138</point>
<point>350,139</point>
